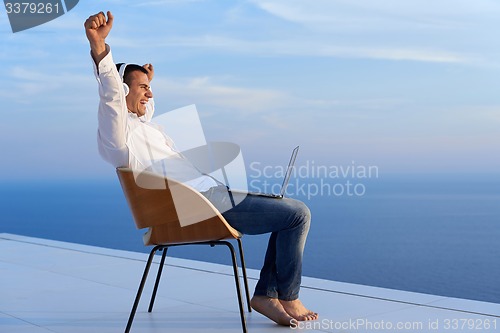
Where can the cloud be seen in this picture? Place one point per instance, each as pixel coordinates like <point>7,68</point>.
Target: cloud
<point>50,89</point>
<point>204,90</point>
<point>446,31</point>
<point>311,47</point>
<point>342,15</point>
<point>213,92</point>
<point>423,30</point>
<point>164,2</point>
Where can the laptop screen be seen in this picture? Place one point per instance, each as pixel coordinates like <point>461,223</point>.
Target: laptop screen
<point>289,170</point>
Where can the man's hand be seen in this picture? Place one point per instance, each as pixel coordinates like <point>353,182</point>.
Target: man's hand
<point>97,29</point>
<point>151,71</point>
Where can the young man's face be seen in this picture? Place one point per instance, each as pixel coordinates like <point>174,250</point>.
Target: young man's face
<point>139,93</point>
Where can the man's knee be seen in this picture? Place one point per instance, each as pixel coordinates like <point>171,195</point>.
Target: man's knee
<point>302,212</point>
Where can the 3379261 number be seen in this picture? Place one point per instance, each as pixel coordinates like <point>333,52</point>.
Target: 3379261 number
<point>32,8</point>
<point>470,324</point>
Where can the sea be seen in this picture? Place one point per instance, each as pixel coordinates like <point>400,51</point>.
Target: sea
<point>434,234</point>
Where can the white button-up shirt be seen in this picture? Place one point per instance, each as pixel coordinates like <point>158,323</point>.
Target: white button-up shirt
<point>125,140</point>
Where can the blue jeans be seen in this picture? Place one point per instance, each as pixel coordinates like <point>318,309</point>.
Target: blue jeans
<point>287,220</point>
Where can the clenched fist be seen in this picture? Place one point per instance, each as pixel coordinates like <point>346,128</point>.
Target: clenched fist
<point>97,28</point>
<point>151,71</point>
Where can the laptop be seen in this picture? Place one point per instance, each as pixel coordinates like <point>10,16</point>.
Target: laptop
<point>286,179</point>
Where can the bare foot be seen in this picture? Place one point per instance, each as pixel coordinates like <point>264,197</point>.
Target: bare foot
<point>298,311</point>
<point>272,309</point>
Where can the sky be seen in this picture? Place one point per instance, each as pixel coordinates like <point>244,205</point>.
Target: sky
<point>407,86</point>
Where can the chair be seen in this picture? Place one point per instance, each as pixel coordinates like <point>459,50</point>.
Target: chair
<point>149,197</point>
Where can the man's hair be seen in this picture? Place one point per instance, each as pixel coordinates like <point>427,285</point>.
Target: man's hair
<point>129,69</point>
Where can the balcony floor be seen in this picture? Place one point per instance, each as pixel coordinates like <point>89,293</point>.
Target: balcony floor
<point>52,286</point>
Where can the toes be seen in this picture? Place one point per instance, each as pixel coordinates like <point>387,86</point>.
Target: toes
<point>309,316</point>
<point>298,311</point>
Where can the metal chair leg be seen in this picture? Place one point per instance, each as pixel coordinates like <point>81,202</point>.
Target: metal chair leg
<point>244,269</point>
<point>158,276</point>
<point>141,287</point>
<point>237,282</point>
<point>160,269</point>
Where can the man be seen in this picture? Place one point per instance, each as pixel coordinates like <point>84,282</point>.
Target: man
<point>126,105</point>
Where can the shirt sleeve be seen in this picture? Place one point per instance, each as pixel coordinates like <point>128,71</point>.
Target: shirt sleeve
<point>112,113</point>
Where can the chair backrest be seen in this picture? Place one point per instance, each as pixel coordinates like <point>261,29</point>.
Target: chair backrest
<point>151,201</point>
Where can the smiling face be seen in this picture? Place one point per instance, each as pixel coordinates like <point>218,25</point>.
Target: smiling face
<point>139,93</point>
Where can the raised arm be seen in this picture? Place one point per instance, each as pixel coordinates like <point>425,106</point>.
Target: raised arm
<point>112,115</point>
<point>97,28</point>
